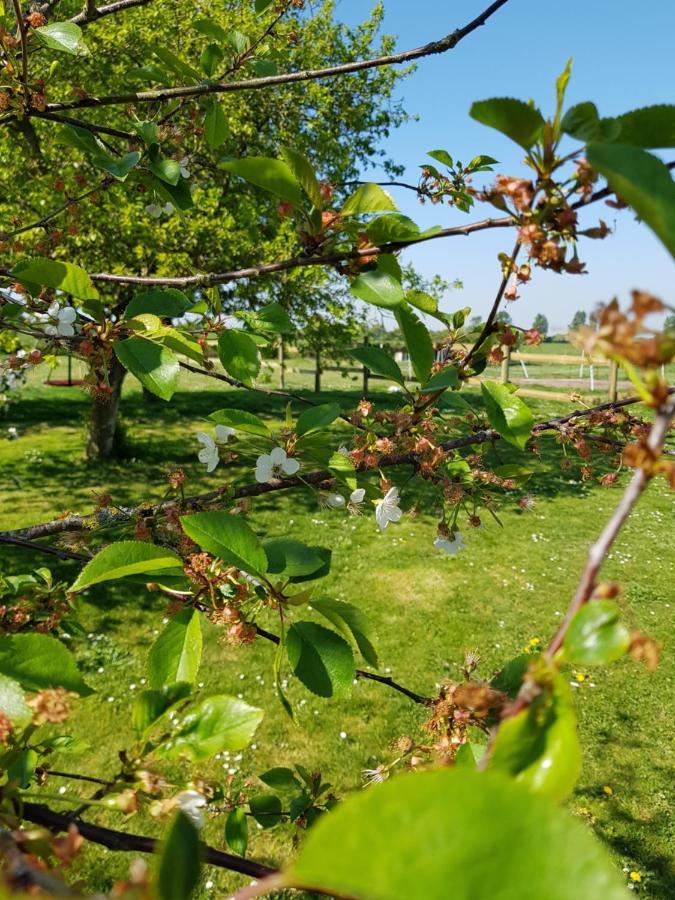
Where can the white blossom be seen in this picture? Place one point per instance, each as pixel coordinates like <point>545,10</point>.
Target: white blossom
<point>209,452</point>
<point>449,545</point>
<point>12,433</point>
<point>62,320</point>
<point>193,804</point>
<point>224,433</point>
<point>387,510</point>
<point>273,464</point>
<point>184,163</point>
<point>356,497</point>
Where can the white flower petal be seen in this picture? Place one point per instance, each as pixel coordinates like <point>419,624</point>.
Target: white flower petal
<point>206,440</point>
<point>53,309</point>
<point>263,470</point>
<point>51,330</point>
<point>223,432</point>
<point>290,466</point>
<point>357,495</point>
<point>213,461</point>
<point>65,329</point>
<point>67,315</point>
<point>278,456</point>
<point>392,496</point>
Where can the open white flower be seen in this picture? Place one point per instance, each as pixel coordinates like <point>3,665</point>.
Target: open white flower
<point>192,804</point>
<point>184,163</point>
<point>387,510</point>
<point>274,464</point>
<point>449,545</point>
<point>209,452</point>
<point>62,319</point>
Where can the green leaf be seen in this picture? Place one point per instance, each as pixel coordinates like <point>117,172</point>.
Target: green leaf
<point>219,723</point>
<point>442,156</point>
<point>417,340</point>
<point>641,180</point>
<point>392,228</point>
<point>150,706</point>
<point>507,413</point>
<point>176,64</point>
<point>61,276</point>
<point>266,809</point>
<point>539,747</point>
<point>271,175</point>
<point>446,378</point>
<point>125,558</point>
<point>262,5</point>
<point>273,318</point>
<point>595,635</point>
<point>281,780</point>
<point>178,194</point>
<point>39,661</point>
<point>304,173</point>
<point>176,654</point>
<point>216,128</point>
<point>148,132</point>
<point>379,362</point>
<point>317,417</point>
<point>165,169</point>
<point>169,303</point>
<point>238,42</point>
<point>321,659</point>
<point>379,288</point>
<point>517,120</point>
<point>650,127</point>
<point>228,537</point>
<point>20,765</point>
<point>560,90</point>
<point>469,755</point>
<point>156,367</point>
<point>351,621</point>
<point>211,58</point>
<point>510,679</point>
<point>63,36</point>
<point>440,834</point>
<point>238,355</point>
<point>236,831</point>
<point>13,703</point>
<point>291,558</point>
<point>422,301</point>
<point>368,198</point>
<point>210,29</point>
<point>582,121</point>
<point>118,168</point>
<point>241,421</point>
<point>179,863</point>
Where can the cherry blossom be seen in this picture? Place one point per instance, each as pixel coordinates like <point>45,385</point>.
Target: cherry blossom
<point>274,464</point>
<point>387,510</point>
<point>62,318</point>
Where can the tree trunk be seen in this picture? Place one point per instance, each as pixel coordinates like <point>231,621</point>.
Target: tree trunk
<point>281,359</point>
<point>103,432</point>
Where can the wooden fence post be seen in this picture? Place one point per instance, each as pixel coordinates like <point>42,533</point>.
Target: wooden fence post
<point>506,362</point>
<point>366,370</point>
<point>317,372</point>
<point>613,381</point>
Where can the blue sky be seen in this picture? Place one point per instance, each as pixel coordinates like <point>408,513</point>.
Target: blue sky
<point>623,58</point>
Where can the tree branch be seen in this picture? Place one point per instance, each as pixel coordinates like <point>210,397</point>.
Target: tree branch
<point>91,14</point>
<point>105,518</point>
<point>119,840</point>
<point>21,28</point>
<point>449,42</point>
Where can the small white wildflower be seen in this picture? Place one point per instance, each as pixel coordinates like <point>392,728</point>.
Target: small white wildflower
<point>12,433</point>
<point>387,510</point>
<point>343,735</point>
<point>273,464</point>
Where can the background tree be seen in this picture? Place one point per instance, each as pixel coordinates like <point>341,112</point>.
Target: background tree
<point>540,323</point>
<point>337,124</point>
<point>578,319</point>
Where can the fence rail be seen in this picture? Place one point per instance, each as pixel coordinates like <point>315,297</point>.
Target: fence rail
<point>583,361</point>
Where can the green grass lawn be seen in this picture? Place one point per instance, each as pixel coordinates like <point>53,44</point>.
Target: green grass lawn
<point>508,586</point>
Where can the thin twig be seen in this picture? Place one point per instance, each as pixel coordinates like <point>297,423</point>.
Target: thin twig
<point>449,42</point>
<point>23,38</point>
<point>599,550</point>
